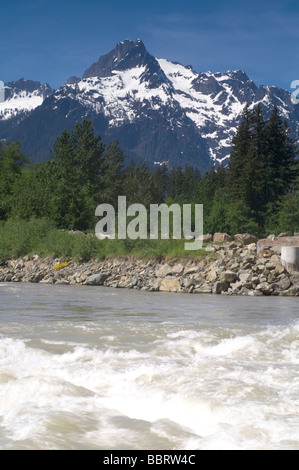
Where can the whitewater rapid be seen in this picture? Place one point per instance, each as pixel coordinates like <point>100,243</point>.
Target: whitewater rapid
<point>99,368</point>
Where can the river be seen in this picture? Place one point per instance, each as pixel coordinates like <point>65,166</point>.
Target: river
<point>100,368</point>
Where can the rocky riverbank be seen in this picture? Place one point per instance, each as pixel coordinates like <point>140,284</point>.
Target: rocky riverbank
<point>228,267</point>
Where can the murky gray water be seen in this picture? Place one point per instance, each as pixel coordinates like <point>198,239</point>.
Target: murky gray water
<point>98,368</point>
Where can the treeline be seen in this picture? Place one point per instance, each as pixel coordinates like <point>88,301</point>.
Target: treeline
<point>256,192</point>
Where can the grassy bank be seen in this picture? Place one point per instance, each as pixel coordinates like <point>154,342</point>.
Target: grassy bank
<point>39,236</point>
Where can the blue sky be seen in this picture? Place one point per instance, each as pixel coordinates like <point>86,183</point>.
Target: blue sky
<point>50,40</point>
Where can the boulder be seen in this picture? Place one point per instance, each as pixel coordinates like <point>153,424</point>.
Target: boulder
<point>211,275</point>
<point>292,291</point>
<point>221,237</point>
<point>170,285</point>
<point>177,268</point>
<point>163,270</point>
<point>206,238</point>
<point>228,276</point>
<point>245,277</point>
<point>96,279</point>
<point>235,265</point>
<point>191,269</point>
<point>255,293</point>
<point>251,246</point>
<point>265,288</point>
<point>245,238</point>
<point>204,289</point>
<point>220,287</point>
<point>284,283</point>
<point>198,278</point>
<point>154,284</point>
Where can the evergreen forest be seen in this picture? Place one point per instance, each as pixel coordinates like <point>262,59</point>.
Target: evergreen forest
<point>257,192</point>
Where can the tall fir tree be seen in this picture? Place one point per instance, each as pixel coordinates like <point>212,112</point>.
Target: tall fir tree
<point>281,152</point>
<point>12,162</point>
<point>77,165</point>
<point>111,175</point>
<point>262,163</point>
<point>237,179</point>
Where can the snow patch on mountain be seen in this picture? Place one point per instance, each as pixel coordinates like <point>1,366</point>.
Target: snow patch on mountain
<point>19,102</point>
<point>22,97</point>
<point>116,96</point>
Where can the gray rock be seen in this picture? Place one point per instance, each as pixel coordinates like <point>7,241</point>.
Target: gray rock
<point>284,283</point>
<point>228,276</point>
<point>154,285</point>
<point>206,238</point>
<point>245,238</point>
<point>255,293</point>
<point>292,291</point>
<point>245,277</point>
<point>164,270</point>
<point>177,269</point>
<point>187,283</point>
<point>220,287</point>
<point>204,289</point>
<point>265,288</point>
<point>134,282</point>
<point>234,266</point>
<point>191,269</point>
<point>221,237</point>
<point>198,278</point>
<point>170,285</point>
<point>96,279</point>
<point>211,275</point>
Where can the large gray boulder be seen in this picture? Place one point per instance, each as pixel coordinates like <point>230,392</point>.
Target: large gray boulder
<point>96,279</point>
<point>245,238</point>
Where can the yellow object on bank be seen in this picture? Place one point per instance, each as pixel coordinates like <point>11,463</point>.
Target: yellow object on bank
<point>60,266</point>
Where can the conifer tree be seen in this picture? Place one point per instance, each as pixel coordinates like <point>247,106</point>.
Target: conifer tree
<point>161,183</point>
<point>281,153</point>
<point>139,185</point>
<point>262,163</point>
<point>175,183</point>
<point>11,163</point>
<point>237,182</point>
<point>77,162</point>
<point>111,175</point>
<point>256,164</point>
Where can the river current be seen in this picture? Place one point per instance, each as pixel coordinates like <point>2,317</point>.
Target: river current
<point>101,368</point>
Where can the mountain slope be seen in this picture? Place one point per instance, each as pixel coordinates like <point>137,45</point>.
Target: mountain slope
<point>157,109</point>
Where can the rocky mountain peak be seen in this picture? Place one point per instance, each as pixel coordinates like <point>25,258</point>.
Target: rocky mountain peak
<point>28,87</point>
<point>157,109</point>
<point>126,54</point>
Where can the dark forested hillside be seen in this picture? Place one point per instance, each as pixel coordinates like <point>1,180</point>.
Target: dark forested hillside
<point>256,192</point>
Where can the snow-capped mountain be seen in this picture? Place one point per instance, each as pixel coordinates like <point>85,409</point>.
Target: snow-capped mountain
<point>22,97</point>
<point>157,109</point>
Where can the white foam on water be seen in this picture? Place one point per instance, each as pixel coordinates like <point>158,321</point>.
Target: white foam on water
<point>210,388</point>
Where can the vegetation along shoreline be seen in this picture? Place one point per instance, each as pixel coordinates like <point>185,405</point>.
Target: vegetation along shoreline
<point>242,265</point>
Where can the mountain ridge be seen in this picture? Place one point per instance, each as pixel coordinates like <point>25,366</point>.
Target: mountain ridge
<point>158,110</point>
